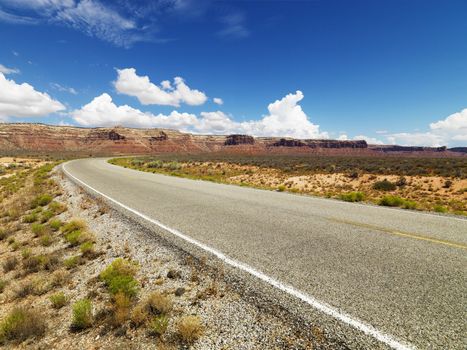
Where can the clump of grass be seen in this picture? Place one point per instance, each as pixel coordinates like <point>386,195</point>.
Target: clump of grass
<point>159,324</point>
<point>46,240</point>
<point>73,238</point>
<point>46,216</point>
<point>10,264</point>
<point>73,225</point>
<point>41,200</point>
<point>38,229</point>
<point>281,188</point>
<point>190,328</point>
<point>30,218</point>
<point>55,224</point>
<point>396,201</point>
<point>59,278</point>
<point>3,234</point>
<point>58,300</point>
<point>72,262</point>
<point>158,303</point>
<point>21,324</point>
<point>82,316</point>
<point>139,315</point>
<point>57,207</point>
<point>353,196</point>
<point>32,264</point>
<point>26,253</point>
<point>121,308</point>
<point>23,289</point>
<point>384,185</point>
<point>40,286</point>
<point>440,209</point>
<point>87,249</point>
<point>119,277</point>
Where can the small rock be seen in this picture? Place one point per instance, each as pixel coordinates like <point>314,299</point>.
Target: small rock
<point>179,291</point>
<point>172,274</point>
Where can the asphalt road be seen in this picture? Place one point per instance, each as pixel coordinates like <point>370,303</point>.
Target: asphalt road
<point>401,272</point>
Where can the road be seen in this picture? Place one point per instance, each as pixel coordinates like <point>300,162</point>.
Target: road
<point>401,273</point>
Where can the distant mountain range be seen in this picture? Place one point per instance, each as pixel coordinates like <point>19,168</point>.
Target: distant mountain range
<point>34,139</point>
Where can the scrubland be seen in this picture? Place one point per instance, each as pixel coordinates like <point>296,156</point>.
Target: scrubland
<point>432,184</point>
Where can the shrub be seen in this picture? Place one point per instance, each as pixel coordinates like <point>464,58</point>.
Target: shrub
<point>384,185</point>
<point>82,315</point>
<point>126,285</point>
<point>32,264</point>
<point>57,207</point>
<point>121,308</point>
<point>59,278</point>
<point>159,324</point>
<point>118,267</point>
<point>41,200</point>
<point>23,289</point>
<point>87,249</point>
<point>401,182</point>
<point>73,237</point>
<point>440,209</point>
<point>40,286</point>
<point>391,201</point>
<point>46,240</point>
<point>58,300</point>
<point>158,303</point>
<point>10,264</point>
<point>55,224</point>
<point>72,262</point>
<point>281,188</point>
<point>26,253</point>
<point>73,225</point>
<point>190,328</point>
<point>139,315</point>
<point>30,218</point>
<point>3,234</point>
<point>21,324</point>
<point>46,216</point>
<point>38,229</point>
<point>447,184</point>
<point>353,196</point>
<point>409,204</point>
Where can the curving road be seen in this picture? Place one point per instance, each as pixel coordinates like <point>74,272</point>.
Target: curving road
<point>398,276</point>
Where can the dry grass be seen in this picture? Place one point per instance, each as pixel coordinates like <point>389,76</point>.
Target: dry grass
<point>158,303</point>
<point>21,324</point>
<point>189,328</point>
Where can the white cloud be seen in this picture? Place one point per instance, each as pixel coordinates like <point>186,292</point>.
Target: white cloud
<point>450,131</point>
<point>234,26</point>
<point>22,100</point>
<point>6,70</point>
<point>285,118</point>
<point>89,16</point>
<point>101,111</point>
<point>62,88</point>
<point>129,83</point>
<point>370,140</point>
<point>218,101</point>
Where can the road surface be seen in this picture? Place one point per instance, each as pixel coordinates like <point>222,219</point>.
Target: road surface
<point>401,273</point>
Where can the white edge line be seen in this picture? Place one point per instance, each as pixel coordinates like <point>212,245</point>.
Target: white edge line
<point>321,306</point>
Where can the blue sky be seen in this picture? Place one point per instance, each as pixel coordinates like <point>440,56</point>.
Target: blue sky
<point>388,71</point>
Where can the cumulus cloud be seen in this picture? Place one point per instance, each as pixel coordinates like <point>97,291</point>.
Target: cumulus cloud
<point>218,101</point>
<point>285,118</point>
<point>102,111</point>
<point>6,70</point>
<point>449,131</point>
<point>148,93</point>
<point>22,100</point>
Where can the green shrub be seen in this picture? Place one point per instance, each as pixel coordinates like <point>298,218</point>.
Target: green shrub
<point>55,224</point>
<point>46,216</point>
<point>353,196</point>
<point>38,229</point>
<point>281,188</point>
<point>82,315</point>
<point>74,225</point>
<point>42,200</point>
<point>391,201</point>
<point>440,209</point>
<point>126,285</point>
<point>159,324</point>
<point>409,204</point>
<point>384,185</point>
<point>57,207</point>
<point>58,300</point>
<point>73,238</point>
<point>87,248</point>
<point>26,253</point>
<point>30,218</point>
<point>72,262</point>
<point>119,277</point>
<point>46,240</point>
<point>21,324</point>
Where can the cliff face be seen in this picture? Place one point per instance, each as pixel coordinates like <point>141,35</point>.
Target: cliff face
<point>67,140</point>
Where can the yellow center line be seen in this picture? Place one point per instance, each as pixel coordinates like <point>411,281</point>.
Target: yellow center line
<point>403,234</point>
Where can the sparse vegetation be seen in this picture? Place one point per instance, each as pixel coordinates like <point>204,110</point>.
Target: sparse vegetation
<point>353,196</point>
<point>21,324</point>
<point>159,324</point>
<point>119,277</point>
<point>82,315</point>
<point>58,300</point>
<point>190,328</point>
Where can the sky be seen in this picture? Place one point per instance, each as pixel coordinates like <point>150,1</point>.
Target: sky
<point>387,71</point>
